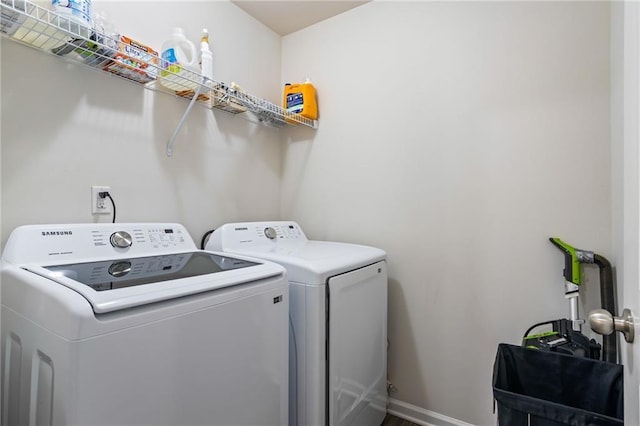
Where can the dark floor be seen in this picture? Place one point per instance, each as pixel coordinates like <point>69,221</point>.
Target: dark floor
<point>396,421</point>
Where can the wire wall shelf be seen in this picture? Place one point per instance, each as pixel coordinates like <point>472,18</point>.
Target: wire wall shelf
<point>43,29</point>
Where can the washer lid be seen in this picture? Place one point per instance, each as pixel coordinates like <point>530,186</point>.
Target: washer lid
<point>111,285</point>
<point>314,262</point>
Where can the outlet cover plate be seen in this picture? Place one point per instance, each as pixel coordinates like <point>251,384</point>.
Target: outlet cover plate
<point>100,205</point>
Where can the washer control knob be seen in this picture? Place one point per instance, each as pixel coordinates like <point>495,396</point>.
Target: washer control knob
<point>270,233</point>
<point>121,239</point>
<point>120,269</point>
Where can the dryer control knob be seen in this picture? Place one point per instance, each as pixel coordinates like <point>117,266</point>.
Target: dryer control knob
<point>121,239</point>
<point>270,233</point>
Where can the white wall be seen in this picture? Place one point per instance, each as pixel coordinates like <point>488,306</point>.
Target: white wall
<point>65,128</point>
<point>458,137</point>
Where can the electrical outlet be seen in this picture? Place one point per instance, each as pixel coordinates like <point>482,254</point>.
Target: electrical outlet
<point>100,205</point>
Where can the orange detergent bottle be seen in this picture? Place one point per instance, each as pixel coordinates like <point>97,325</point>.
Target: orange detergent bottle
<point>300,98</point>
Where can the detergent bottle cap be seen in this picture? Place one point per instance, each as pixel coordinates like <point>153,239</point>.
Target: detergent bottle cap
<point>205,36</point>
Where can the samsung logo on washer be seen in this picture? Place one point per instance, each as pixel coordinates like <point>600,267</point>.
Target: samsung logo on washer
<point>55,233</point>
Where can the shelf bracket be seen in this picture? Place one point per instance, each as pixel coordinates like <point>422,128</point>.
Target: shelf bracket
<point>184,117</point>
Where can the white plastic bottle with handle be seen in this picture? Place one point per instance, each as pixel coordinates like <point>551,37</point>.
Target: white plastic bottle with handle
<point>179,60</point>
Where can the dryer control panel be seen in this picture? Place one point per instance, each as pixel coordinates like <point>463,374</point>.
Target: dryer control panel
<point>252,234</point>
<point>46,244</point>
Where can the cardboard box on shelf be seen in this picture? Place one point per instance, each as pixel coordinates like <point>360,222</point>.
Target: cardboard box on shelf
<point>224,98</point>
<point>135,61</point>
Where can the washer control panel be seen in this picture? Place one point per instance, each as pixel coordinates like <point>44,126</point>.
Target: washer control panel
<point>49,243</point>
<point>153,238</point>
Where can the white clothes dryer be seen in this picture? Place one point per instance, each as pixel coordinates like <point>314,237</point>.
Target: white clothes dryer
<point>338,320</point>
<point>130,324</point>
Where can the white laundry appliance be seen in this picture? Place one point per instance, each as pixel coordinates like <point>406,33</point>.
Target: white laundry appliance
<point>130,324</point>
<point>338,314</point>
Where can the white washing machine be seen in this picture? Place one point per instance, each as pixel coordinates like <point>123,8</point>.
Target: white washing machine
<point>338,314</point>
<point>130,324</point>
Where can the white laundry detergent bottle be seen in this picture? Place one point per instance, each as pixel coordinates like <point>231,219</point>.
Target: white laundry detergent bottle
<point>76,15</point>
<point>179,60</point>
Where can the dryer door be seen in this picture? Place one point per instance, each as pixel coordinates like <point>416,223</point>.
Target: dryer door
<point>357,339</point>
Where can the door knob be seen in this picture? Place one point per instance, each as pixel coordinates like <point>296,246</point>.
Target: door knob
<point>602,322</point>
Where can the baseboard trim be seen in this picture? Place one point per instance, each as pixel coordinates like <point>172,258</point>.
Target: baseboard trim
<point>421,416</point>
